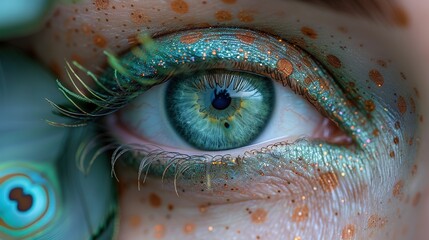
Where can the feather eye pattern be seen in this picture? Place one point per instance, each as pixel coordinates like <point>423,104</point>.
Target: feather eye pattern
<point>43,194</point>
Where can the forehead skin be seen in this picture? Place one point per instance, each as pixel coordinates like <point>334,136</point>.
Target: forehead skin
<point>82,31</point>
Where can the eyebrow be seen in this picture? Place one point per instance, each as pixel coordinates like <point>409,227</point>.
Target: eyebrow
<point>387,11</point>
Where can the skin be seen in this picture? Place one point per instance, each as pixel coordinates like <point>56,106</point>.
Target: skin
<point>81,32</point>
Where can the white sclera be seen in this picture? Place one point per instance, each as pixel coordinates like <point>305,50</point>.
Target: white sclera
<point>144,121</point>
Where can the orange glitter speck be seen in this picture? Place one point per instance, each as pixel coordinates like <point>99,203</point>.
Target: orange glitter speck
<point>376,77</point>
<point>402,105</point>
<point>259,216</point>
<point>348,232</point>
<point>398,189</point>
<point>369,105</point>
<point>179,6</point>
<point>309,32</point>
<point>245,38</point>
<point>102,4</point>
<point>328,181</point>
<point>245,16</point>
<point>400,17</point>
<point>334,61</point>
<point>191,38</point>
<point>300,214</point>
<point>189,228</point>
<point>100,41</point>
<point>285,66</point>
<point>159,231</point>
<point>223,16</point>
<point>396,140</point>
<point>154,200</point>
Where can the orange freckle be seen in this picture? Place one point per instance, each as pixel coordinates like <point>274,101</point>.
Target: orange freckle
<point>135,221</point>
<point>300,214</point>
<point>285,67</point>
<point>375,132</point>
<point>328,181</point>
<point>398,189</point>
<point>154,200</point>
<point>138,17</point>
<point>416,199</point>
<point>179,6</point>
<point>396,140</point>
<point>223,16</point>
<point>259,216</point>
<point>245,16</point>
<point>189,228</point>
<point>191,38</point>
<point>229,1</point>
<point>102,4</point>
<point>392,154</point>
<point>308,80</point>
<point>170,207</point>
<point>247,38</point>
<point>402,105</point>
<point>376,221</point>
<point>159,231</point>
<point>309,32</point>
<point>348,232</point>
<point>369,105</point>
<point>100,41</point>
<point>334,61</point>
<point>376,77</point>
<point>400,17</point>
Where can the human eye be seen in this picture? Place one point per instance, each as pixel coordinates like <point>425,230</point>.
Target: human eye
<point>356,86</point>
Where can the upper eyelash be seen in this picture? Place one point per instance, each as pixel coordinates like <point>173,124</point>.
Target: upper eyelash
<point>114,93</point>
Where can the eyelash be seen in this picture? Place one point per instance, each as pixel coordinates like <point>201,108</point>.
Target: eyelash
<point>114,93</point>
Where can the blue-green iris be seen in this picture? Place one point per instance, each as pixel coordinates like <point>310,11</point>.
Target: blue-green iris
<point>219,110</point>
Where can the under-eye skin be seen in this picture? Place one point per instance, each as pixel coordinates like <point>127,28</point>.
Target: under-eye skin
<point>237,51</point>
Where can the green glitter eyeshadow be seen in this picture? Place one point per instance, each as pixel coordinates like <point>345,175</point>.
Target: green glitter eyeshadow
<point>243,51</point>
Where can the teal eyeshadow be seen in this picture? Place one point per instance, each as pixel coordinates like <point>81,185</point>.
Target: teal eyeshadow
<point>243,50</point>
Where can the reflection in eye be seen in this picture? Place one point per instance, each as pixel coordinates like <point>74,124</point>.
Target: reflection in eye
<point>234,50</point>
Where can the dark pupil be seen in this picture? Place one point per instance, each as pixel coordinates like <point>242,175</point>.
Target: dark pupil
<point>221,99</point>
